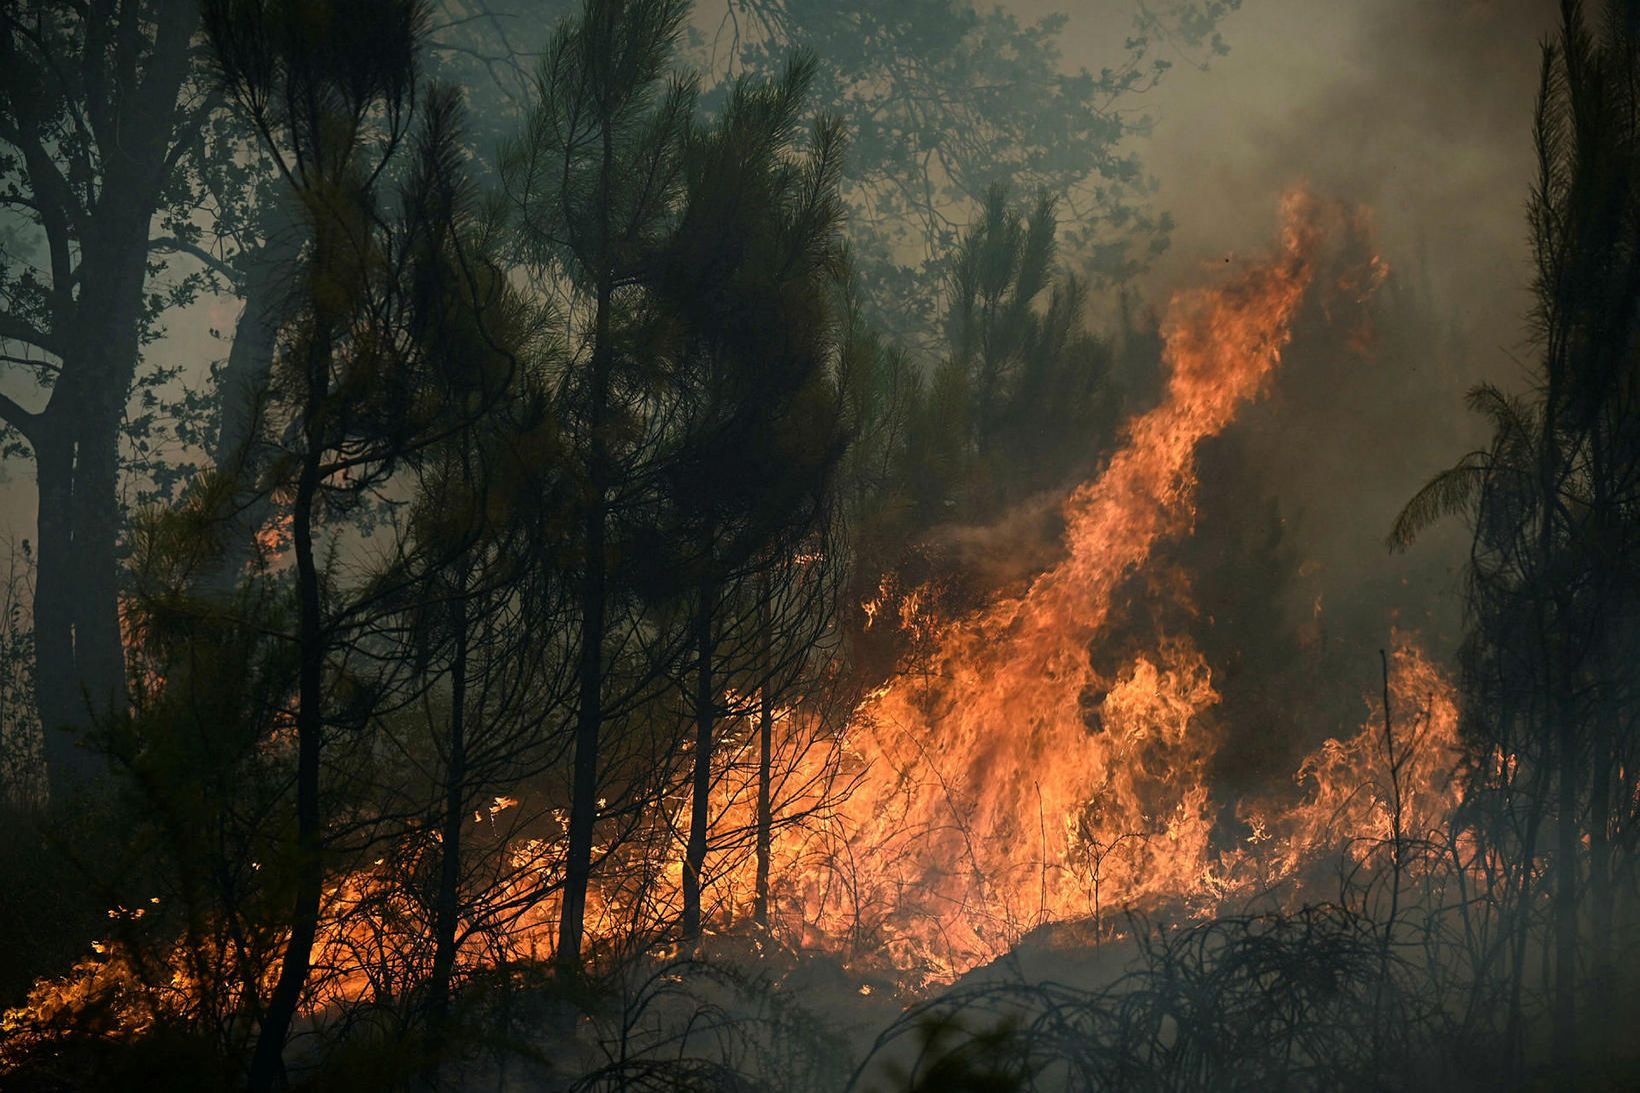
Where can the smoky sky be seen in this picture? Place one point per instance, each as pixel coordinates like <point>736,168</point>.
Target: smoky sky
<point>1420,112</point>
<point>1419,109</point>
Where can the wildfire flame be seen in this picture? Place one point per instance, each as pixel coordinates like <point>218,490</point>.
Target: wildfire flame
<point>1005,768</point>
<point>1001,781</point>
<point>1005,783</point>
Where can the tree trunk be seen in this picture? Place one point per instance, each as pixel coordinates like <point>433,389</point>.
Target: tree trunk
<point>700,799</point>
<point>448,901</point>
<point>99,645</point>
<point>765,754</point>
<point>243,387</point>
<point>80,655</point>
<point>56,682</point>
<point>583,808</point>
<point>1566,909</point>
<point>267,1063</point>
<point>1536,793</point>
<point>97,321</point>
<point>1603,962</point>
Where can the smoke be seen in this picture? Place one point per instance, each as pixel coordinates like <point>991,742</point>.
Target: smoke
<point>1421,113</point>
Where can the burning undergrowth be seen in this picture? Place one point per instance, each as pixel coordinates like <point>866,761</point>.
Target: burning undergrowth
<point>1046,751</point>
<point>1048,756</point>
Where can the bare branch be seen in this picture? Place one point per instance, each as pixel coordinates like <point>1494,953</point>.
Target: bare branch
<point>24,421</point>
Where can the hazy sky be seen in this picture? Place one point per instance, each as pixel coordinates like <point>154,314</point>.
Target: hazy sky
<point>1417,108</point>
<point>1421,111</point>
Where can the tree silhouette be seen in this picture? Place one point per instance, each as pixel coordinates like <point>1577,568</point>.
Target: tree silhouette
<point>747,279</point>
<point>595,178</point>
<point>368,377</point>
<point>100,106</point>
<point>1551,501</point>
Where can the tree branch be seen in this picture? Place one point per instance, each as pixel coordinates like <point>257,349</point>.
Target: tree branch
<point>54,199</point>
<point>14,328</point>
<point>174,245</point>
<point>24,421</point>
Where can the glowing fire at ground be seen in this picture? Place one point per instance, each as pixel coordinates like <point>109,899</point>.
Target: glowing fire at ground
<point>1010,781</point>
<point>1006,783</point>
<point>1001,781</point>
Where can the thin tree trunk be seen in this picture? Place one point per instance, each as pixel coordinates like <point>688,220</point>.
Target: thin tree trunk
<point>700,800</point>
<point>765,753</point>
<point>583,809</point>
<point>267,1063</point>
<point>1524,897</point>
<point>1566,909</point>
<point>1563,730</point>
<point>583,812</point>
<point>448,903</point>
<point>1603,962</point>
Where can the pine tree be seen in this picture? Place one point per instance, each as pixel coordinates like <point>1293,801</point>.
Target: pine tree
<point>367,376</point>
<point>1552,596</point>
<point>595,179</point>
<point>747,284</point>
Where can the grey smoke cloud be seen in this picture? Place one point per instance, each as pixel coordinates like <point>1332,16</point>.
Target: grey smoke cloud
<point>1421,112</point>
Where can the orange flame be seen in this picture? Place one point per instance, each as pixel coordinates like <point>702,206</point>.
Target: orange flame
<point>1000,780</point>
<point>998,777</point>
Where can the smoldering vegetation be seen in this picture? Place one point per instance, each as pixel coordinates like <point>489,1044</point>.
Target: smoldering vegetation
<point>630,546</point>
